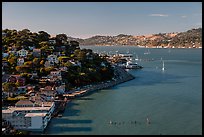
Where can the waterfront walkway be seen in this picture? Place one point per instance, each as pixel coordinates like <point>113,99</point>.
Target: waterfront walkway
<point>121,76</point>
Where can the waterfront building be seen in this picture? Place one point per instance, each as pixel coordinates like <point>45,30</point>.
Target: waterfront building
<point>26,116</point>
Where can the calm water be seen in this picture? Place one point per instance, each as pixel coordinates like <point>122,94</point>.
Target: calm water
<point>172,99</point>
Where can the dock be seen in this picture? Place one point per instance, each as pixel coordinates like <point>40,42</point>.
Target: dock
<point>60,106</point>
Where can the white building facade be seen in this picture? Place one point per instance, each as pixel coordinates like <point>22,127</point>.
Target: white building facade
<point>29,118</point>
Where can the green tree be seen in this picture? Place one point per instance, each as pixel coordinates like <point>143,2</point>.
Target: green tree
<point>9,87</point>
<point>43,36</point>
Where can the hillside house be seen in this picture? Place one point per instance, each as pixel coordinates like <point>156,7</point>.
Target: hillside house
<point>17,78</point>
<point>22,53</point>
<point>48,93</point>
<point>36,53</point>
<point>52,59</point>
<point>20,61</point>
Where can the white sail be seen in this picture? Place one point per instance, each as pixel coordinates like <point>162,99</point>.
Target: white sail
<point>163,68</point>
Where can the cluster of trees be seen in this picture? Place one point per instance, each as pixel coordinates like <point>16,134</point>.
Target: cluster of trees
<point>188,38</point>
<point>89,71</point>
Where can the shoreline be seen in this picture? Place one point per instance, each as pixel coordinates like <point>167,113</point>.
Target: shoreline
<point>200,47</point>
<point>121,76</point>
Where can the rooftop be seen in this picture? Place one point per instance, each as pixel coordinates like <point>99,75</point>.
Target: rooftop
<point>35,114</point>
<point>7,111</point>
<point>26,108</point>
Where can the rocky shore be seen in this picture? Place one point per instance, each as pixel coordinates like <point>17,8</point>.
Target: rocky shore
<point>121,76</point>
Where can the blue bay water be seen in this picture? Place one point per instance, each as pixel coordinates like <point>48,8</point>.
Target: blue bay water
<point>172,99</point>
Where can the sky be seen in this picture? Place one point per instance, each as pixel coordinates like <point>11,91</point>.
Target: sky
<point>87,19</point>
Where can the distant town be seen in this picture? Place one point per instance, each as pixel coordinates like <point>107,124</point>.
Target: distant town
<point>189,39</point>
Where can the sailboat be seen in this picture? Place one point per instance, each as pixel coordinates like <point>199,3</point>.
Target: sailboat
<point>163,67</point>
<point>136,58</point>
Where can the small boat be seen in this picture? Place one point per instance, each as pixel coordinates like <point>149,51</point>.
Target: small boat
<point>136,58</point>
<point>163,68</point>
<point>110,122</point>
<point>131,65</point>
<point>59,115</point>
<point>148,121</point>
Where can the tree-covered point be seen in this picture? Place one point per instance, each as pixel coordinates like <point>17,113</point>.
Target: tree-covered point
<point>83,65</point>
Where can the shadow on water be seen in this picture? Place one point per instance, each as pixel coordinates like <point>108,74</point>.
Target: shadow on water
<point>68,123</point>
<point>85,98</point>
<point>70,111</point>
<point>74,129</point>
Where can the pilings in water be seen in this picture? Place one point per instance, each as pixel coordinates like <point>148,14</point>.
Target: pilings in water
<point>60,106</point>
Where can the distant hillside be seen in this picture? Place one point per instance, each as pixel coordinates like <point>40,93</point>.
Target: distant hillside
<point>190,38</point>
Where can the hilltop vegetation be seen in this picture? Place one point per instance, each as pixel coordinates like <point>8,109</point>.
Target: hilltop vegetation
<point>82,65</point>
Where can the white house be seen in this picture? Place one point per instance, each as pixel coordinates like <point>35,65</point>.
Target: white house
<point>52,41</point>
<point>22,53</point>
<point>4,34</point>
<point>54,76</point>
<point>61,89</point>
<point>20,61</point>
<point>4,55</point>
<point>53,58</point>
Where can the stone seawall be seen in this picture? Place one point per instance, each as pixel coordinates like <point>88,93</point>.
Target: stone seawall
<point>121,76</point>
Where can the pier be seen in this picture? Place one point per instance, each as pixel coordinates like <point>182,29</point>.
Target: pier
<point>60,106</point>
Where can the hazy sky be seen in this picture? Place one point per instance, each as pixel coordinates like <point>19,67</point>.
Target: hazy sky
<point>85,19</point>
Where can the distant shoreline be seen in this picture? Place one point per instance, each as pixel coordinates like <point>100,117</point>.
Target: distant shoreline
<point>144,47</point>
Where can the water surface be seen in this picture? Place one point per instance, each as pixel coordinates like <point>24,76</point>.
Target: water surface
<point>171,99</point>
